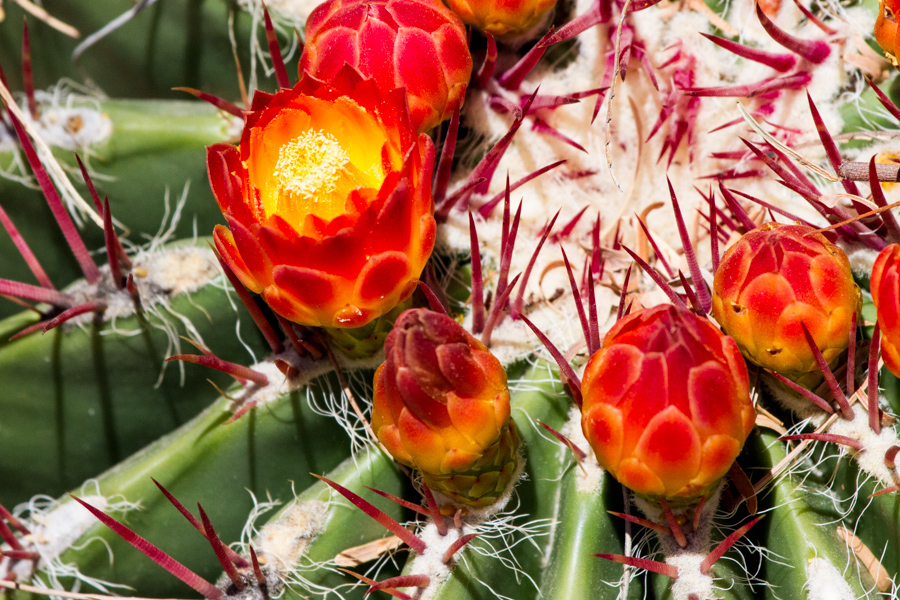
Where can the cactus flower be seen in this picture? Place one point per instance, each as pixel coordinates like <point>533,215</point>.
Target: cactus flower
<point>886,28</point>
<point>775,278</point>
<point>441,405</point>
<point>885,286</point>
<point>417,44</point>
<point>666,403</point>
<point>501,17</point>
<point>328,201</point>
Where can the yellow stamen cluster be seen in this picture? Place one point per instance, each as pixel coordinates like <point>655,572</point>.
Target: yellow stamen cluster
<point>314,175</point>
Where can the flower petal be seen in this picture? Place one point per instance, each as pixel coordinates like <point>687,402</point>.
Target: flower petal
<point>670,445</point>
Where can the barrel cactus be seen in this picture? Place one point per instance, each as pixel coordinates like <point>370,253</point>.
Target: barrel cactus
<point>460,332</point>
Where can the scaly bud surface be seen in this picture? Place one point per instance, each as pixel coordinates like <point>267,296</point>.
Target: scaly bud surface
<point>666,403</point>
<point>885,286</point>
<point>328,201</point>
<point>776,278</point>
<point>501,17</point>
<point>441,405</point>
<point>417,44</point>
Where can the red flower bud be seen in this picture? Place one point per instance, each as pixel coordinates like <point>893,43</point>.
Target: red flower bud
<point>417,44</point>
<point>886,28</point>
<point>666,403</point>
<point>501,17</point>
<point>775,278</point>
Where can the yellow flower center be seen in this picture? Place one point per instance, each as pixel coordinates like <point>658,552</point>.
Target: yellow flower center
<point>310,157</point>
<point>314,175</point>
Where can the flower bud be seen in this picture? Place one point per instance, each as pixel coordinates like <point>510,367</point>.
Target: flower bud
<point>885,286</point>
<point>775,278</point>
<point>666,403</point>
<point>501,17</point>
<point>886,28</point>
<point>441,405</point>
<point>328,201</point>
<point>417,44</point>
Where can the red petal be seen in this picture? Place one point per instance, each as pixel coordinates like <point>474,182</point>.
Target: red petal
<point>310,289</point>
<point>382,276</point>
<point>256,260</point>
<point>229,252</point>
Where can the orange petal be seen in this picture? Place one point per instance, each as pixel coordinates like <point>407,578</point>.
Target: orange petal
<point>602,425</point>
<point>670,448</point>
<point>796,270</point>
<point>887,292</point>
<point>645,399</point>
<point>788,334</point>
<point>890,352</point>
<point>732,272</point>
<point>390,436</point>
<point>766,297</point>
<point>222,162</point>
<point>457,460</point>
<point>886,260</point>
<point>610,373</point>
<point>833,286</point>
<point>719,452</point>
<point>713,400</point>
<point>425,446</point>
<point>636,476</point>
<point>473,418</point>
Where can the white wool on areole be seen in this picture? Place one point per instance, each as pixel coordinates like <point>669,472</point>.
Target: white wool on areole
<point>589,476</point>
<point>826,582</point>
<point>291,11</point>
<point>644,182</point>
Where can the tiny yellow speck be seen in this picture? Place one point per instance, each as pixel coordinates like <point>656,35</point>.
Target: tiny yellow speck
<point>139,272</point>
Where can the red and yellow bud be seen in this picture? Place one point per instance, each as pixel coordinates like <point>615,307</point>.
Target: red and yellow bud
<point>776,278</point>
<point>328,201</point>
<point>886,28</point>
<point>501,17</point>
<point>441,405</point>
<point>885,286</point>
<point>666,403</point>
<point>416,44</point>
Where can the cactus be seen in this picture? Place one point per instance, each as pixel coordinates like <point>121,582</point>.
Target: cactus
<point>467,465</point>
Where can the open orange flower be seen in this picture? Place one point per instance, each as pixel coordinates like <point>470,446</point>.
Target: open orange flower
<point>666,403</point>
<point>328,201</point>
